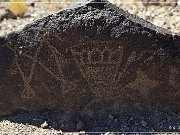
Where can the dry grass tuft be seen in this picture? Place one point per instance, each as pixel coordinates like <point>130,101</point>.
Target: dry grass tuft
<point>18,7</point>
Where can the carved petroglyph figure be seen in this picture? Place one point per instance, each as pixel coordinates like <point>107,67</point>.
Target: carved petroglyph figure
<point>91,56</point>
<point>143,84</point>
<point>98,66</point>
<point>28,91</point>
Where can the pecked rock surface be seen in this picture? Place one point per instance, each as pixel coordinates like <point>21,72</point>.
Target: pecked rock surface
<point>90,56</point>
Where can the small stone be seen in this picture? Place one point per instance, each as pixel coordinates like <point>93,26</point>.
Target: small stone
<point>60,132</point>
<point>107,133</point>
<point>44,125</point>
<point>178,3</point>
<point>82,133</point>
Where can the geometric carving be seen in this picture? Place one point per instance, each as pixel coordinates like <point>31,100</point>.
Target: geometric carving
<point>143,84</point>
<point>98,66</point>
<point>93,55</point>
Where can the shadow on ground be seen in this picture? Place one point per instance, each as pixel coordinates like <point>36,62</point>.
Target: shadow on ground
<point>101,122</point>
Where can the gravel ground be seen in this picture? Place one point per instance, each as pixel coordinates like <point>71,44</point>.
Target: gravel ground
<point>38,10</point>
<point>166,15</point>
<point>97,122</point>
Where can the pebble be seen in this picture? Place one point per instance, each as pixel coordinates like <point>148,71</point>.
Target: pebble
<point>44,125</point>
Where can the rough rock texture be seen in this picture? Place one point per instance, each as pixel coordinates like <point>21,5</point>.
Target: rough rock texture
<point>90,56</point>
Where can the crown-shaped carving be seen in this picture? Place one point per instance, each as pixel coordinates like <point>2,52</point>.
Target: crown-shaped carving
<point>105,56</point>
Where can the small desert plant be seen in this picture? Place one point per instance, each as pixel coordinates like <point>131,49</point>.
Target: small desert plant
<point>18,7</point>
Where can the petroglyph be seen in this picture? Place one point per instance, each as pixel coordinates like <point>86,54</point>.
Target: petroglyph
<point>105,56</point>
<point>89,57</point>
<point>28,92</point>
<point>98,66</point>
<point>131,59</point>
<point>143,84</point>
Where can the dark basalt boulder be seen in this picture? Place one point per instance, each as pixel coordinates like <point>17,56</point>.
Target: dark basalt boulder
<point>90,56</point>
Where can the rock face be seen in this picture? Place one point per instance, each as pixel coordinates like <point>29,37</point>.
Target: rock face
<point>90,56</point>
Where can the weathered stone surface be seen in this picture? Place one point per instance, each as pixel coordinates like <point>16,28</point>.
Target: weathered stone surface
<point>87,57</point>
